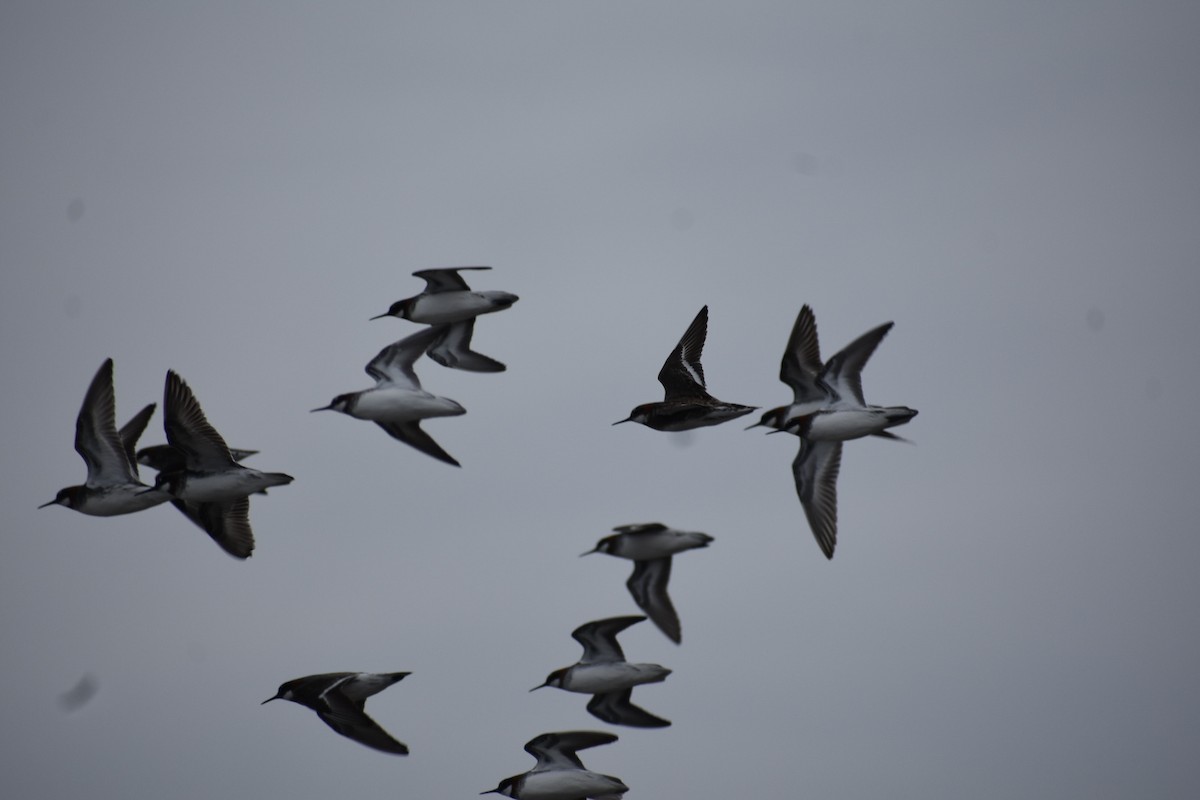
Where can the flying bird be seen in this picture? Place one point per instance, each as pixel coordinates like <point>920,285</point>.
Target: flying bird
<point>448,301</point>
<point>227,524</point>
<point>559,773</point>
<point>827,409</point>
<point>112,485</point>
<point>686,403</point>
<point>650,547</point>
<point>816,385</point>
<point>211,488</point>
<point>604,673</point>
<point>339,699</point>
<point>396,402</point>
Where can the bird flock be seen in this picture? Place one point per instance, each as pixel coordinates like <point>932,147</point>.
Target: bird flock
<point>205,479</point>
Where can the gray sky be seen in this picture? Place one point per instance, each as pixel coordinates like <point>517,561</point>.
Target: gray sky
<point>231,192</point>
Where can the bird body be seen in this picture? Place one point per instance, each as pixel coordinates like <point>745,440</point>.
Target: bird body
<point>844,424</point>
<point>828,408</point>
<point>604,673</point>
<point>396,402</point>
<point>559,773</point>
<point>339,698</point>
<point>650,546</point>
<point>113,486</point>
<point>686,402</point>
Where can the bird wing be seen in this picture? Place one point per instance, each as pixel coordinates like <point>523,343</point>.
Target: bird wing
<point>96,437</point>
<point>394,363</point>
<point>617,709</point>
<point>816,471</point>
<point>189,431</point>
<point>132,431</point>
<point>444,279</point>
<point>349,719</point>
<point>801,364</point>
<point>412,435</point>
<point>228,523</point>
<point>453,349</point>
<point>640,528</point>
<point>557,750</point>
<point>599,638</point>
<point>842,373</point>
<point>648,585</point>
<point>681,374</point>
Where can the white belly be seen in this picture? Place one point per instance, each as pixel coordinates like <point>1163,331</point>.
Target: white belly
<point>569,784</point>
<point>403,405</point>
<point>226,485</point>
<point>838,426</point>
<point>599,678</point>
<point>444,307</point>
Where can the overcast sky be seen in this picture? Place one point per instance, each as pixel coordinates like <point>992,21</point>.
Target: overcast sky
<point>230,190</point>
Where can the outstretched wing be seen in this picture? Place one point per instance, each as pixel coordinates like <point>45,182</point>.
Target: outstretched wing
<point>96,437</point>
<point>815,471</point>
<point>599,638</point>
<point>681,374</point>
<point>412,435</point>
<point>394,363</point>
<point>189,431</point>
<point>648,585</point>
<point>444,279</point>
<point>801,364</point>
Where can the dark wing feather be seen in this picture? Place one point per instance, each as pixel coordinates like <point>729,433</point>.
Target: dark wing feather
<point>648,585</point>
<point>617,709</point>
<point>96,438</point>
<point>639,528</point>
<point>557,750</point>
<point>682,374</point>
<point>801,364</point>
<point>132,431</point>
<point>815,471</point>
<point>453,349</point>
<point>351,721</point>
<point>599,638</point>
<point>444,279</point>
<point>843,373</point>
<point>394,363</point>
<point>411,434</point>
<point>227,523</point>
<point>188,429</point>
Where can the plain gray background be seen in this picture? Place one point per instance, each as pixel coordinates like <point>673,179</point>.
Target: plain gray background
<point>230,190</point>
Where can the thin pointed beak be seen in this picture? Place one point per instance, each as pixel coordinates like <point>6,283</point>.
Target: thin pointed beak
<point>627,419</point>
<point>539,686</point>
<point>269,699</point>
<point>53,502</point>
<point>755,425</point>
<point>589,552</point>
<point>322,408</point>
<point>380,316</point>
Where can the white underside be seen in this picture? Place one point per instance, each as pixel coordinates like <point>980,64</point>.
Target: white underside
<point>226,485</point>
<point>839,425</point>
<point>613,677</point>
<point>568,784</point>
<point>444,307</point>
<point>394,404</point>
